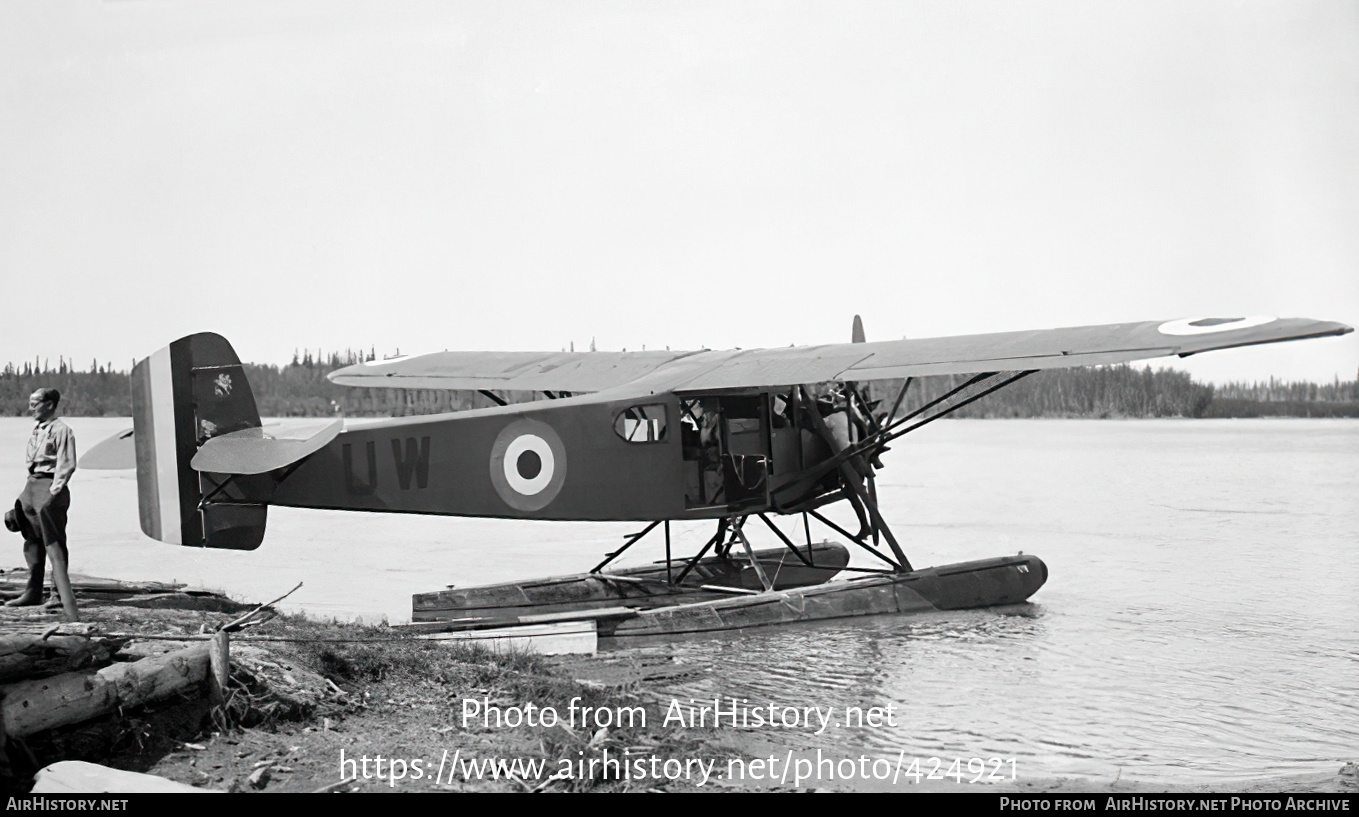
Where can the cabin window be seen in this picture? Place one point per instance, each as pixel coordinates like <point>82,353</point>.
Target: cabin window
<point>641,424</point>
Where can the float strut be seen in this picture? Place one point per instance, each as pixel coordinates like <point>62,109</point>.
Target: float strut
<point>755,563</point>
<point>721,531</point>
<point>864,545</point>
<point>806,560</point>
<point>631,541</point>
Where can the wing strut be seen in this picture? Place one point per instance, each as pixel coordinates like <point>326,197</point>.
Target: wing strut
<point>853,470</point>
<point>901,395</point>
<point>888,435</point>
<point>856,462</point>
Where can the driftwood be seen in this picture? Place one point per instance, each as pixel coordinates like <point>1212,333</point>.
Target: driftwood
<point>33,706</point>
<point>30,655</point>
<point>244,620</point>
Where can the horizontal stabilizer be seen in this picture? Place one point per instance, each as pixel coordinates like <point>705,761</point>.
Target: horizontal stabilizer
<point>118,451</point>
<point>261,450</point>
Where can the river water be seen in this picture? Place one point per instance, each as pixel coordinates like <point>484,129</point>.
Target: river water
<point>1200,622</point>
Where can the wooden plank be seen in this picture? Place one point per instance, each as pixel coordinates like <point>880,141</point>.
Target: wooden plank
<point>718,589</point>
<point>14,580</point>
<point>578,615</point>
<point>436,626</point>
<point>556,638</point>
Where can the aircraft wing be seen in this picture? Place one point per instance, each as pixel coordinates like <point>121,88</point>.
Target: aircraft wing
<point>533,371</point>
<point>1005,351</point>
<point>960,354</point>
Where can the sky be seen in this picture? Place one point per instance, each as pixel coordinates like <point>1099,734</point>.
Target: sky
<point>420,176</point>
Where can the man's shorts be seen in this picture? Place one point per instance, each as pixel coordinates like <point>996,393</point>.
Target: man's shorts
<point>44,515</point>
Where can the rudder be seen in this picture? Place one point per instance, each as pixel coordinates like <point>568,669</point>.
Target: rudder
<point>190,391</point>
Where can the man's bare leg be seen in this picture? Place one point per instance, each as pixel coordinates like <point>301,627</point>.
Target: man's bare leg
<point>34,554</point>
<point>57,554</point>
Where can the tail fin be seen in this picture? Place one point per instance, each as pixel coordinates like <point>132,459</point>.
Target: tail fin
<point>856,334</point>
<point>191,390</point>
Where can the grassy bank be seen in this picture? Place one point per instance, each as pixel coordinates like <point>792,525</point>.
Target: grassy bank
<point>327,705</point>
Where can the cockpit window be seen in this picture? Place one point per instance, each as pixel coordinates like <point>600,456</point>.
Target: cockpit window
<point>641,424</point>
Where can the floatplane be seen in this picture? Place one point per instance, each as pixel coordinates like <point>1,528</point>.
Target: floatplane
<point>738,438</point>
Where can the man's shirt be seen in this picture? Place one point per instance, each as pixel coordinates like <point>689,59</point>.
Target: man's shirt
<point>51,450</point>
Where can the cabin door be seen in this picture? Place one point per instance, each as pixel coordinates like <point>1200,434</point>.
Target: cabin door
<point>726,451</point>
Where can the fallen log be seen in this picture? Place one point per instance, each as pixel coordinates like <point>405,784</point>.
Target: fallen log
<point>30,655</point>
<point>29,707</point>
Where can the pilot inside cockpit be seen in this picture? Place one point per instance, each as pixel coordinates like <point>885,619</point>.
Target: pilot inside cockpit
<point>709,432</point>
<point>833,406</point>
<point>701,437</point>
<point>779,414</point>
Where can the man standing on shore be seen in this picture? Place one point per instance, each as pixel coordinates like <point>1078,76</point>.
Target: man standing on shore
<point>51,460</point>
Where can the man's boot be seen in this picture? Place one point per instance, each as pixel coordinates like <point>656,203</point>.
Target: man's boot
<point>36,555</point>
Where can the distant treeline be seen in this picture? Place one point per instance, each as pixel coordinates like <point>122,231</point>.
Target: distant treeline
<point>300,389</point>
<point>1127,391</point>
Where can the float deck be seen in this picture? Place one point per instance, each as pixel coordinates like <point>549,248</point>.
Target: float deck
<point>715,577</point>
<point>965,585</point>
